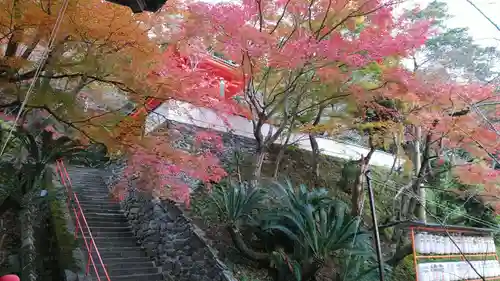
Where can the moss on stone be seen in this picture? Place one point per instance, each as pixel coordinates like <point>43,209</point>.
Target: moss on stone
<point>65,240</point>
<point>405,270</point>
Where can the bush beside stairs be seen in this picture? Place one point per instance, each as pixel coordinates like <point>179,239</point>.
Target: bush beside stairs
<point>123,258</point>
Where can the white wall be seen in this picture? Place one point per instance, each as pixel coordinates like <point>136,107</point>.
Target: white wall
<point>206,118</point>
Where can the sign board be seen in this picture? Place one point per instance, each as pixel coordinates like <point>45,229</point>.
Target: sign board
<point>453,253</point>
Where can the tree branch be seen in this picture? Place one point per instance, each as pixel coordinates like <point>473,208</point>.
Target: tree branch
<point>62,120</point>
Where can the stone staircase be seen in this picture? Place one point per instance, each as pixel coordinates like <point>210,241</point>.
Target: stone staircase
<point>124,259</point>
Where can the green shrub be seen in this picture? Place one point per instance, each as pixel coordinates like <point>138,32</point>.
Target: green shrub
<point>405,270</point>
<point>314,224</point>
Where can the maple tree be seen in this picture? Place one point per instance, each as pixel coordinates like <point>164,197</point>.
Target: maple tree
<point>102,58</point>
<point>442,109</point>
<point>98,46</point>
<point>165,170</point>
<point>298,58</point>
<point>440,61</point>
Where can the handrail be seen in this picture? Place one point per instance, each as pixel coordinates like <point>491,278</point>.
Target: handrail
<point>81,221</point>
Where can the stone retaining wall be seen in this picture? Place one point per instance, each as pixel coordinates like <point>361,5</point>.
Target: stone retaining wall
<point>175,244</point>
<point>28,248</point>
<point>76,260</point>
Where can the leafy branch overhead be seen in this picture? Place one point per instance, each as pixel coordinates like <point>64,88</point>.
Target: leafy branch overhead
<point>301,60</point>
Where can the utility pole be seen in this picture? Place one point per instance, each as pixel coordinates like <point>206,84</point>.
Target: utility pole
<point>418,165</point>
<point>375,225</point>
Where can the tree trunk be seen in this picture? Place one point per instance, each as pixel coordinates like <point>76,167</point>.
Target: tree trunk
<point>28,251</point>
<point>357,194</point>
<point>401,253</point>
<point>281,153</point>
<point>315,148</point>
<point>314,160</point>
<point>260,155</point>
<point>420,177</point>
<point>29,50</point>
<point>310,270</point>
<point>357,197</point>
<point>241,245</point>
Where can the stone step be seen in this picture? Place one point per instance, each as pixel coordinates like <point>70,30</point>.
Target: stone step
<point>80,168</point>
<point>130,271</point>
<point>83,183</point>
<point>125,260</point>
<point>98,201</point>
<point>105,223</point>
<point>111,229</point>
<point>104,215</point>
<point>110,253</point>
<point>93,224</point>
<point>109,206</point>
<point>92,185</point>
<point>100,206</point>
<point>90,210</point>
<point>92,200</point>
<point>83,171</point>
<point>116,243</point>
<point>113,261</point>
<point>124,254</point>
<point>105,218</point>
<point>78,172</point>
<point>143,268</point>
<point>94,197</point>
<point>106,256</point>
<point>136,277</point>
<point>92,193</point>
<point>82,175</point>
<point>128,265</point>
<point>102,212</point>
<point>106,197</point>
<point>110,235</point>
<point>113,249</point>
<point>93,176</point>
<point>89,184</point>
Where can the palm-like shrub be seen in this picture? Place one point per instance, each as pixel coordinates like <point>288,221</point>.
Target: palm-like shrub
<point>360,265</point>
<point>288,196</point>
<point>43,149</point>
<point>237,203</point>
<point>236,206</point>
<point>317,225</point>
<point>318,231</point>
<point>312,219</point>
<point>25,168</point>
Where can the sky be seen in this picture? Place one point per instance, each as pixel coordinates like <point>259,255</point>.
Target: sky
<point>466,16</point>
